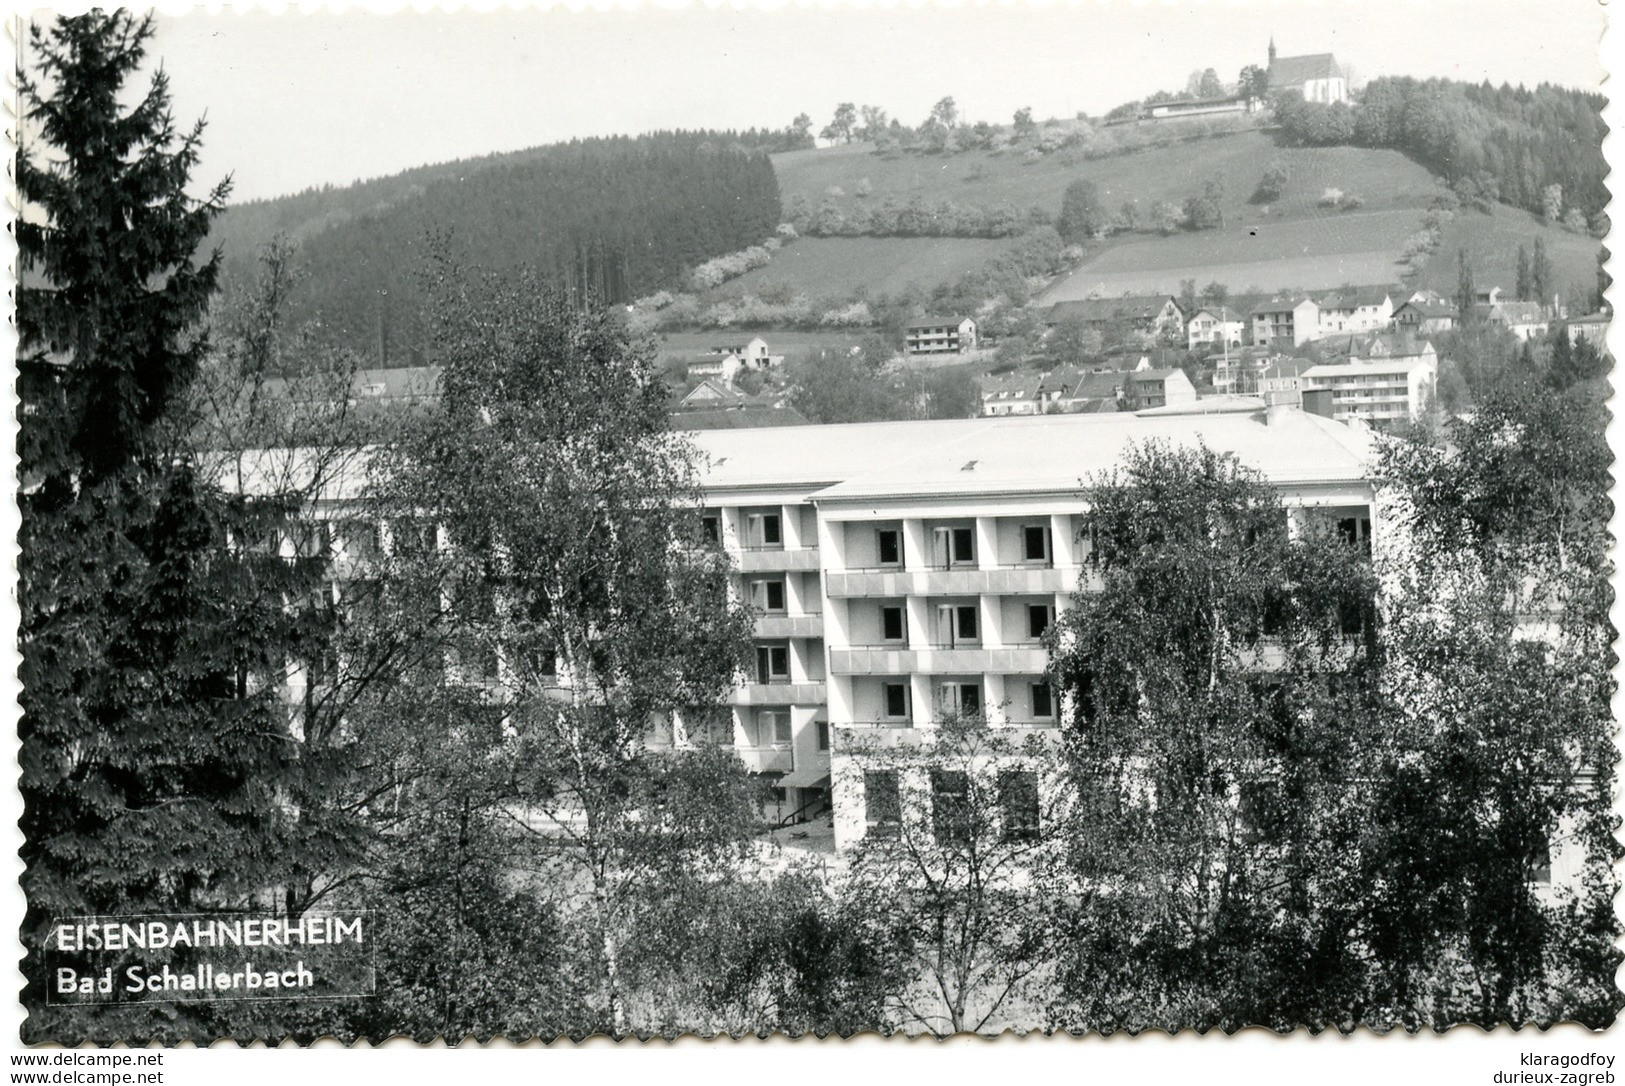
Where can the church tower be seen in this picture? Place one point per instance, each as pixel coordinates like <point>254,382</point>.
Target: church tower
<point>1272,50</point>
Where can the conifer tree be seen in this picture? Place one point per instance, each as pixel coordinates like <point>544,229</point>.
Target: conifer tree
<point>153,730</point>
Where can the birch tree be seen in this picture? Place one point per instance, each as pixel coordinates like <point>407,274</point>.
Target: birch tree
<point>580,595</point>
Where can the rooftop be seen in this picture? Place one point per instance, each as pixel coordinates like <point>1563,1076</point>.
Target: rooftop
<point>1286,72</point>
<point>1011,455</point>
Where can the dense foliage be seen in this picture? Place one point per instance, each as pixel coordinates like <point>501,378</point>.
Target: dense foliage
<point>154,625</point>
<point>617,218</point>
<point>1491,143</point>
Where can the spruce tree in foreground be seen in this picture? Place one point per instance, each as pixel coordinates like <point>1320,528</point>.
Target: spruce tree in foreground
<point>153,639</point>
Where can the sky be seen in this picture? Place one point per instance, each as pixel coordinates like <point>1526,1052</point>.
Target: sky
<point>297,100</point>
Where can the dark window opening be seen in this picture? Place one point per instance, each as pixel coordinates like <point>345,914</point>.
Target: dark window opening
<point>889,542</point>
<point>1039,618</point>
<point>891,623</point>
<point>950,806</point>
<point>882,802</point>
<point>896,700</point>
<point>1018,805</point>
<point>1043,701</point>
<point>1035,543</point>
<point>772,663</point>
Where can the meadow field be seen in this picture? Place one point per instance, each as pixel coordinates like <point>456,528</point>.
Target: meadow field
<point>1330,249</point>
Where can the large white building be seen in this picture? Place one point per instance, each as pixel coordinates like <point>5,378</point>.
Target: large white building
<point>908,569</point>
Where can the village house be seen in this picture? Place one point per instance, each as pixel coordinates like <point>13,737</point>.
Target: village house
<point>1316,76</point>
<point>1217,325</point>
<point>1285,322</point>
<point>1159,388</point>
<point>714,366</point>
<point>1156,315</point>
<point>755,353</point>
<point>1238,372</point>
<point>1592,328</point>
<point>1011,394</point>
<point>1526,320</point>
<point>941,335</point>
<point>1070,390</point>
<point>1425,317</point>
<point>1367,310</point>
<point>1200,107</point>
<point>712,394</point>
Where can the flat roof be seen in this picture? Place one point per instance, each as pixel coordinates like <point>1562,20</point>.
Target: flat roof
<point>1016,455</point>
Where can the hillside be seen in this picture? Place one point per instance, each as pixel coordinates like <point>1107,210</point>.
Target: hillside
<point>616,217</point>
<point>1291,242</point>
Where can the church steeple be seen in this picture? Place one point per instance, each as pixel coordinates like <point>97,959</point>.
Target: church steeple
<point>1272,49</point>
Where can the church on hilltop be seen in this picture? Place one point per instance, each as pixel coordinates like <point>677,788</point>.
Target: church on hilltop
<point>1317,76</point>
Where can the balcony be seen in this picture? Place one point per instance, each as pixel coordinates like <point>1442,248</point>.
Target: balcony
<point>966,581</point>
<point>1015,660</point>
<point>766,759</point>
<point>861,737</point>
<point>778,626</point>
<point>777,559</point>
<point>778,694</point>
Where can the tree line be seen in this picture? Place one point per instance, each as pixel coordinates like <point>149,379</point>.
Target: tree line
<point>615,217</point>
<point>1490,143</point>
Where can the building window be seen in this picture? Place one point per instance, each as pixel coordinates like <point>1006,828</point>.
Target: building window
<point>1040,616</point>
<point>958,625</point>
<point>822,727</point>
<point>772,727</point>
<point>889,545</point>
<point>360,538</point>
<point>1043,701</point>
<point>961,698</point>
<point>882,802</point>
<point>892,627</point>
<point>410,537</point>
<point>1018,805</point>
<point>950,806</point>
<point>896,695</point>
<point>1035,543</point>
<point>955,546</point>
<point>768,596</point>
<point>1356,532</point>
<point>711,528</point>
<point>772,663</point>
<point>766,530</point>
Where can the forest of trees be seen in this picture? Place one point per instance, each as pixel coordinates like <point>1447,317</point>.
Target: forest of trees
<point>1490,143</point>
<point>618,218</point>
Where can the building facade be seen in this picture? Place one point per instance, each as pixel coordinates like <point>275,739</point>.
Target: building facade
<point>941,335</point>
<point>907,571</point>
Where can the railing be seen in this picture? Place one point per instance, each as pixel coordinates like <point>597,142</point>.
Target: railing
<point>816,807</point>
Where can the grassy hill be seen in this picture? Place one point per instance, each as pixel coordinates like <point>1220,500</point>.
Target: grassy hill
<point>1491,243</point>
<point>1294,241</point>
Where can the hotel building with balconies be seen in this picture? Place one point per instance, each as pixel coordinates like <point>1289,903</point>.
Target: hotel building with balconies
<point>905,571</point>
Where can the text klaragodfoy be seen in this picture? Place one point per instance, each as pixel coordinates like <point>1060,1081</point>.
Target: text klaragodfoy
<point>1564,1075</point>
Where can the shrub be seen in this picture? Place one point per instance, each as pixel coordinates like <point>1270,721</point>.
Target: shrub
<point>1273,183</point>
<point>1330,197</point>
<point>1350,202</point>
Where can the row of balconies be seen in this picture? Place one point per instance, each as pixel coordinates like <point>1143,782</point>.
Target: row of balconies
<point>1019,580</point>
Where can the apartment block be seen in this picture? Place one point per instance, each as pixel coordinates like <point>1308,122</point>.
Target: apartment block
<point>907,571</point>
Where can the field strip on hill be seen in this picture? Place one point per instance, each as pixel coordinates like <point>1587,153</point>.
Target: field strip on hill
<point>1314,253</point>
